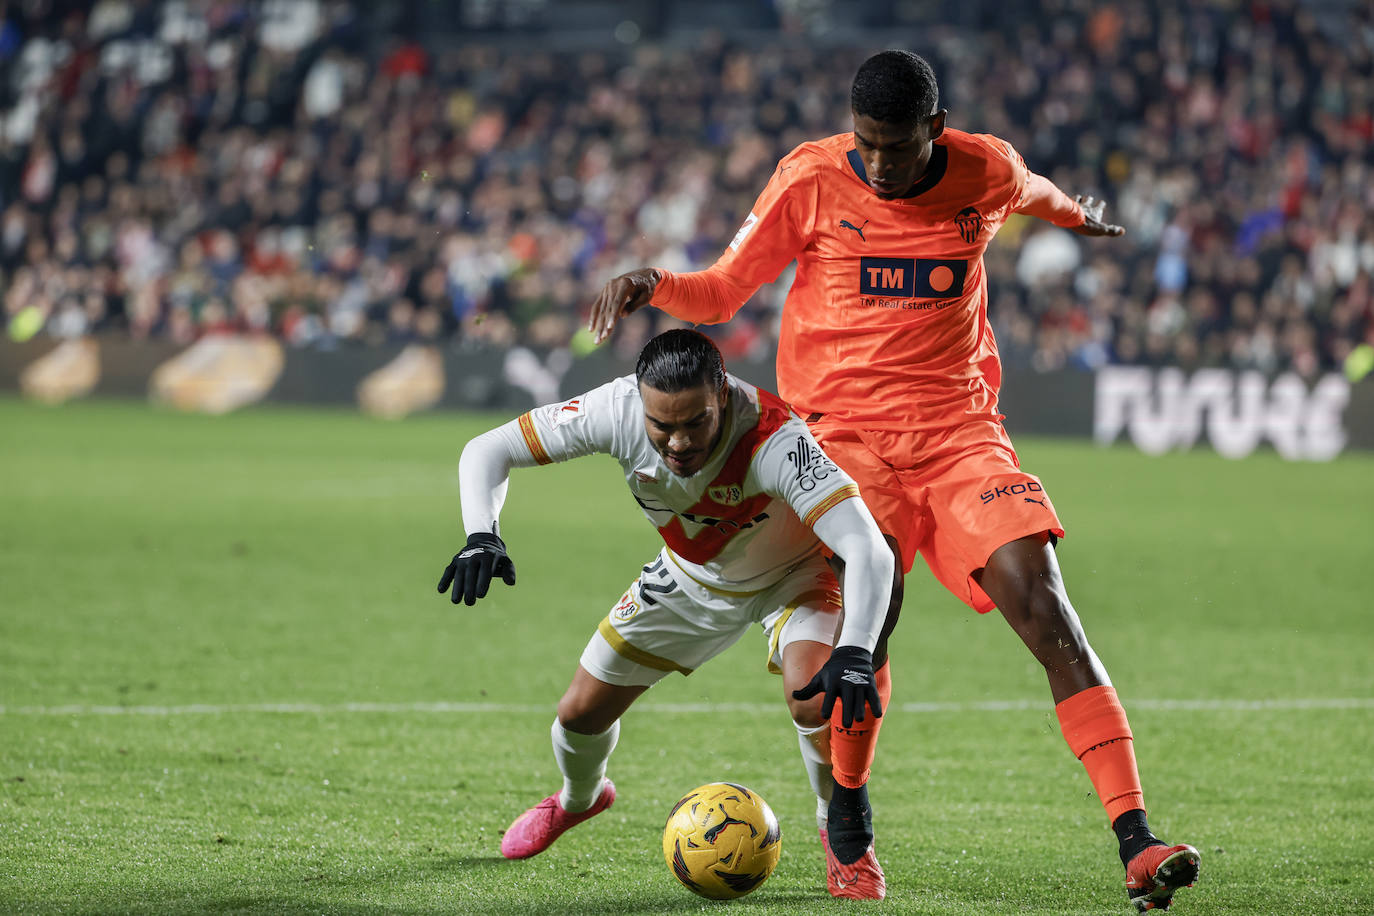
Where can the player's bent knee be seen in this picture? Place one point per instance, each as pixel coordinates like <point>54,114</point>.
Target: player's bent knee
<point>806,713</point>
<point>582,713</point>
<point>591,721</point>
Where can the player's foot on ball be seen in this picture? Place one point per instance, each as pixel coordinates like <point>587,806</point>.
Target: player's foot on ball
<point>861,880</point>
<point>849,823</point>
<point>536,829</point>
<point>1156,873</point>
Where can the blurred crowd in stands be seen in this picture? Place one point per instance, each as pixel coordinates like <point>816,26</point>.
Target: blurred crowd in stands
<point>181,169</point>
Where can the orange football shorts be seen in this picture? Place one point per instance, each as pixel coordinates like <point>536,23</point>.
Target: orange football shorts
<point>954,494</point>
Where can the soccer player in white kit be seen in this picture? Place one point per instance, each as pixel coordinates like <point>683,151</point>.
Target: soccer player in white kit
<point>746,504</point>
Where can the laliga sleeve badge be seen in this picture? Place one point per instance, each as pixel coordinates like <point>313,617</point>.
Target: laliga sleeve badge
<point>565,412</point>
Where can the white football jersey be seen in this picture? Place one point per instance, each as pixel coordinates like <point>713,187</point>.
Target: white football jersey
<point>742,521</point>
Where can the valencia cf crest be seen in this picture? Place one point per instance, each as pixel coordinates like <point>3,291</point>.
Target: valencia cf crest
<point>970,223</point>
<point>729,495</point>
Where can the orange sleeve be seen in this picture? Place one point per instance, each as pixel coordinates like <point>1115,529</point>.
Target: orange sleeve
<point>774,233</point>
<point>1038,197</point>
<point>1042,198</point>
<point>703,296</point>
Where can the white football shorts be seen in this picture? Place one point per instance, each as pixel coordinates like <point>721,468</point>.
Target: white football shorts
<point>666,621</point>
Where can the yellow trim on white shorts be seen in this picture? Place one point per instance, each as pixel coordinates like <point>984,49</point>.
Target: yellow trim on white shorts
<point>832,596</point>
<point>634,653</point>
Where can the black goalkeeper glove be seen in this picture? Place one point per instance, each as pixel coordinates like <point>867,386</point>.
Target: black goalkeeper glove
<point>471,569</point>
<point>847,676</point>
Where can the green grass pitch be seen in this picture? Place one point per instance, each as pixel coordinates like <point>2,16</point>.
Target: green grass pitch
<point>227,685</point>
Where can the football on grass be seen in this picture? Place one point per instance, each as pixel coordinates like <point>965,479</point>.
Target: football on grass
<point>722,841</point>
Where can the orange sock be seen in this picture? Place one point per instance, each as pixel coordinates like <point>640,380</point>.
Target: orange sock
<point>852,749</point>
<point>1095,727</point>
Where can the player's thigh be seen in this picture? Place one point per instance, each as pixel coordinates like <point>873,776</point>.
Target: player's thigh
<point>981,503</point>
<point>658,627</point>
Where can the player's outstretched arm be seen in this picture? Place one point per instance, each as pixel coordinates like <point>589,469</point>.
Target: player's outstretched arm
<point>1042,199</point>
<point>554,432</point>
<point>622,296</point>
<point>1093,226</point>
<point>483,479</point>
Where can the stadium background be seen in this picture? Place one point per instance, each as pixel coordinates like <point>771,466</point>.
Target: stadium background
<point>226,681</point>
<point>352,180</point>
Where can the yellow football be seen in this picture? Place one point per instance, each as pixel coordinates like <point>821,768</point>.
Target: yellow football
<point>722,841</point>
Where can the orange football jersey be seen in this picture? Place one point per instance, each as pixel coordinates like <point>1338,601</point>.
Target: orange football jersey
<point>886,323</point>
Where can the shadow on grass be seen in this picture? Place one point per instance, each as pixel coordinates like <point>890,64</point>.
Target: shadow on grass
<point>590,895</point>
<point>209,903</point>
<point>631,904</point>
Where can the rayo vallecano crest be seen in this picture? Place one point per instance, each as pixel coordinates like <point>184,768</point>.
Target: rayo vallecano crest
<point>728,495</point>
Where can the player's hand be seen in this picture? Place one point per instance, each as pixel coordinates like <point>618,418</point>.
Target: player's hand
<point>625,294</point>
<point>847,676</point>
<point>1092,219</point>
<point>471,569</point>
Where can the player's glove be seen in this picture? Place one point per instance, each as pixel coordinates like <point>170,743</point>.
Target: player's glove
<point>847,676</point>
<point>471,569</point>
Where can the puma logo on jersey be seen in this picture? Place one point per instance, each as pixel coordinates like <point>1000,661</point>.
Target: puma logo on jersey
<point>1040,501</point>
<point>846,224</point>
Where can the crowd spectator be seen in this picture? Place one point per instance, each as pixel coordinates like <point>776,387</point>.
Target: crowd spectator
<point>272,167</point>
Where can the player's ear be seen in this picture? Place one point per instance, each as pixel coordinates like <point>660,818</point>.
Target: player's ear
<point>937,123</point>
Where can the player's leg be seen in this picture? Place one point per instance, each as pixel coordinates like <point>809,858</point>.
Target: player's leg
<point>850,817</point>
<point>895,507</point>
<point>803,646</point>
<point>584,734</point>
<point>800,662</point>
<point>871,458</point>
<point>1024,580</point>
<point>992,544</point>
<point>625,656</point>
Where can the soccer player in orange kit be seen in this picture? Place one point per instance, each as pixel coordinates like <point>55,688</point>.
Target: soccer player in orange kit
<point>887,351</point>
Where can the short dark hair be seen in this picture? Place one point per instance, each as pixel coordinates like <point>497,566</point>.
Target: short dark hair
<point>897,87</point>
<point>680,359</point>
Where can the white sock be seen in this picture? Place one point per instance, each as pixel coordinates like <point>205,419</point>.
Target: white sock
<point>582,761</point>
<point>815,751</point>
